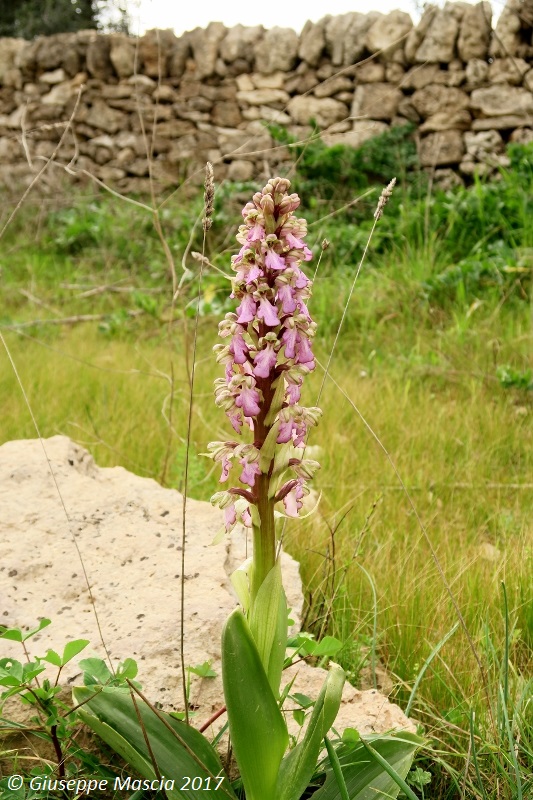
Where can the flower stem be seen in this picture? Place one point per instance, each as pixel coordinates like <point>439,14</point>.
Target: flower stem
<point>264,538</point>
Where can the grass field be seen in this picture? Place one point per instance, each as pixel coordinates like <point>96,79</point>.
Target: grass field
<point>435,353</point>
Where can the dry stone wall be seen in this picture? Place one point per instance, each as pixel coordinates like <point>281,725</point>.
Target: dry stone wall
<point>207,95</point>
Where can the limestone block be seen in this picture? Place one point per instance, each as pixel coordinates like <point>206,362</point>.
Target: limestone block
<point>333,86</point>
<point>508,70</point>
<point>362,130</point>
<point>505,122</point>
<point>227,114</point>
<point>205,44</point>
<point>177,57</point>
<point>164,94</point>
<point>444,120</point>
<point>155,48</point>
<point>522,135</point>
<point>424,74</point>
<point>475,32</point>
<point>371,72</point>
<point>376,101</point>
<point>55,76</point>
<point>416,35</point>
<point>434,98</point>
<point>122,55</point>
<point>239,42</point>
<point>13,78</point>
<point>106,119</point>
<point>312,42</point>
<point>324,110</point>
<point>98,58</point>
<point>477,73</point>
<point>274,80</point>
<point>278,50</point>
<point>240,171</point>
<point>8,54</point>
<point>346,36</point>
<point>442,148</point>
<point>483,144</point>
<point>438,45</point>
<point>387,34</point>
<point>502,99</point>
<point>508,39</point>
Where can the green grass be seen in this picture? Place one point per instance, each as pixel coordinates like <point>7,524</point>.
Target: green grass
<point>435,354</point>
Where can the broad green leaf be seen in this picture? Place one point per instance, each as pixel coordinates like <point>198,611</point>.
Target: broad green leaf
<point>257,728</point>
<point>179,749</point>
<point>366,779</point>
<point>18,635</point>
<point>298,766</point>
<point>203,670</point>
<point>72,649</point>
<point>127,669</point>
<point>268,625</point>
<point>328,646</point>
<point>52,658</point>
<point>11,672</point>
<point>95,672</point>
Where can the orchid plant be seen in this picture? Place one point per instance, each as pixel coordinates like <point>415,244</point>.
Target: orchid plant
<point>266,353</point>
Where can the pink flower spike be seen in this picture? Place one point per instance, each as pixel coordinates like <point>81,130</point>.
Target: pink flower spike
<point>293,392</point>
<point>236,421</point>
<point>291,505</point>
<point>247,309</point>
<point>285,432</point>
<point>246,518</point>
<point>304,354</point>
<point>289,340</point>
<point>256,233</point>
<point>293,242</point>
<point>264,360</point>
<point>249,472</point>
<point>274,261</point>
<point>286,296</point>
<point>238,348</point>
<point>226,466</point>
<point>230,517</point>
<point>267,312</point>
<point>248,400</point>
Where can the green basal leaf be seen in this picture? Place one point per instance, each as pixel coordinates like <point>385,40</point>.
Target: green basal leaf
<point>364,777</point>
<point>257,728</point>
<point>180,751</point>
<point>268,625</point>
<point>241,584</point>
<point>298,766</point>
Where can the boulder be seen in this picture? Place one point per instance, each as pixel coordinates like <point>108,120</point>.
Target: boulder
<point>277,50</point>
<point>475,32</point>
<point>128,531</point>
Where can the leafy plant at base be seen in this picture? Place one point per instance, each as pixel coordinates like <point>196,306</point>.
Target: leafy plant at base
<point>267,358</point>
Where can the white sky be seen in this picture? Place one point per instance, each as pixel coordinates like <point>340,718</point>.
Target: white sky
<point>184,15</point>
